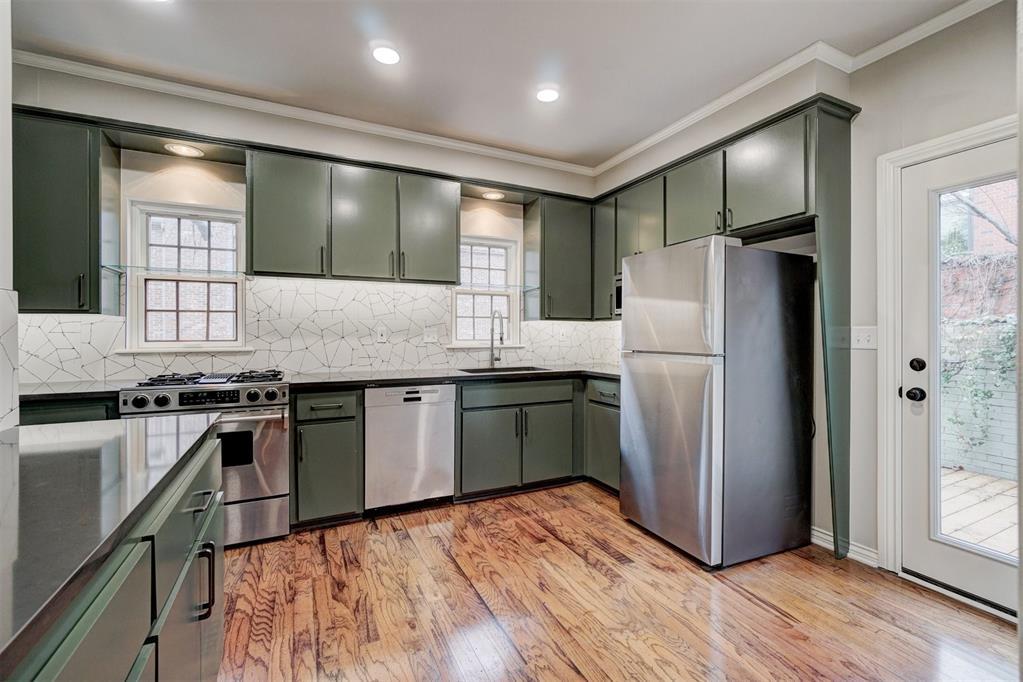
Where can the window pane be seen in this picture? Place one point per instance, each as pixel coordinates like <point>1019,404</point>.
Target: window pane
<point>500,304</point>
<point>160,295</point>
<point>222,261</point>
<point>192,296</point>
<point>222,296</point>
<point>481,306</point>
<point>480,276</point>
<point>163,257</point>
<point>463,305</point>
<point>497,258</point>
<point>223,236</point>
<point>463,329</point>
<point>195,232</point>
<point>497,278</point>
<point>465,275</point>
<point>465,255</point>
<point>480,257</point>
<point>482,329</point>
<point>192,326</point>
<point>163,230</point>
<point>222,327</point>
<point>161,326</point>
<point>195,259</point>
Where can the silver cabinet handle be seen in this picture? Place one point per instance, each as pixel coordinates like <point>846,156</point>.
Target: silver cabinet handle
<point>390,261</point>
<point>402,263</point>
<point>549,306</point>
<point>516,423</point>
<point>717,220</point>
<point>201,509</point>
<point>301,446</point>
<point>611,304</point>
<point>323,253</point>
<point>728,221</point>
<point>525,422</point>
<point>208,550</point>
<point>327,406</point>
<point>81,290</point>
<point>605,394</point>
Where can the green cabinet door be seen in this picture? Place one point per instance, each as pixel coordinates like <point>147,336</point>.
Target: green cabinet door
<point>56,216</point>
<point>566,282</point>
<point>765,175</point>
<point>211,592</point>
<point>289,212</point>
<point>603,454</point>
<point>329,470</point>
<point>179,634</point>
<point>428,228</point>
<point>491,449</point>
<point>694,197</point>
<point>604,260</point>
<point>363,222</point>
<point>546,442</point>
<point>640,216</point>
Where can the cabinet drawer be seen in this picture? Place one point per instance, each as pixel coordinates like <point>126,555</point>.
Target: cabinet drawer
<point>177,520</point>
<point>518,393</point>
<point>326,405</point>
<point>603,391</point>
<point>105,641</point>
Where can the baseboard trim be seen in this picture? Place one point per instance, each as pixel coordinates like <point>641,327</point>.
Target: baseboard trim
<point>857,552</point>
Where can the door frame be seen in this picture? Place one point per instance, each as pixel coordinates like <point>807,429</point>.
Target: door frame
<point>889,324</point>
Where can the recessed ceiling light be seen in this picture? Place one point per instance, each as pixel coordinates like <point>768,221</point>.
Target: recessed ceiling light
<point>493,196</point>
<point>386,55</point>
<point>184,149</point>
<point>547,94</point>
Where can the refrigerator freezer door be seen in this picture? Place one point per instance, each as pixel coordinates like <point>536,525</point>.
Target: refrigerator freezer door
<point>672,449</point>
<point>673,299</point>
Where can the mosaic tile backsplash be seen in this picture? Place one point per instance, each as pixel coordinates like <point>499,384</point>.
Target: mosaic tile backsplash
<point>307,326</point>
<point>8,358</point>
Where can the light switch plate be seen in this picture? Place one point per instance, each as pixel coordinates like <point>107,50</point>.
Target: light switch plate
<point>864,337</point>
<point>430,335</point>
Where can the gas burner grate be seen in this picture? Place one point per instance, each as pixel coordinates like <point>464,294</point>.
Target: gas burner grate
<point>257,376</point>
<point>174,379</point>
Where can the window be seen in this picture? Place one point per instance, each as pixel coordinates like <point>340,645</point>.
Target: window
<point>185,291</point>
<point>488,275</point>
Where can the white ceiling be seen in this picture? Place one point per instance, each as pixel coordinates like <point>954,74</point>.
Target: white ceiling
<point>469,69</point>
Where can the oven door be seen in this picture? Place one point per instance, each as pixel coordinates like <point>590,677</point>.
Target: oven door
<point>254,451</point>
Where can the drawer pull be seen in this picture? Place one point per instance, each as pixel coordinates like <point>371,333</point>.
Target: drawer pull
<point>605,394</point>
<point>208,551</point>
<point>327,406</point>
<point>201,509</point>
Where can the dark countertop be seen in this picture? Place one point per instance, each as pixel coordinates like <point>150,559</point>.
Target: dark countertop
<point>346,378</point>
<point>69,495</point>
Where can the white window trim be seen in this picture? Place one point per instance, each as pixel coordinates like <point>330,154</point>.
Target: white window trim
<point>138,272</point>
<point>511,333</point>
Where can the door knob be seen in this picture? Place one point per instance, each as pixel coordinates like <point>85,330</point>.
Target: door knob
<point>917,364</point>
<point>916,394</point>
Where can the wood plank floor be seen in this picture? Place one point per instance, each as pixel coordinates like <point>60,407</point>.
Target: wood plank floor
<point>556,585</point>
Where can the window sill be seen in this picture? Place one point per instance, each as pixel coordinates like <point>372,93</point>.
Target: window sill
<point>220,350</point>
<point>485,346</point>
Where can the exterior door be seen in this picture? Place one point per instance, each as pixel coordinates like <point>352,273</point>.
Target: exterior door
<point>958,357</point>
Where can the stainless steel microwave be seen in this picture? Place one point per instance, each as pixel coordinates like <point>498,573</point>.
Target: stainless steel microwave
<point>618,296</point>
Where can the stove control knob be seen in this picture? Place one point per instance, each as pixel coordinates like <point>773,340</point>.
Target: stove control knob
<point>252,395</point>
<point>140,401</point>
<point>271,394</point>
<point>162,400</point>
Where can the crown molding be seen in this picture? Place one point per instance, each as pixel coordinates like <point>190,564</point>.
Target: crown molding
<point>819,51</point>
<point>167,87</point>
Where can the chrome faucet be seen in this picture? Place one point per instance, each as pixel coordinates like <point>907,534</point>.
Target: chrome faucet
<point>495,357</point>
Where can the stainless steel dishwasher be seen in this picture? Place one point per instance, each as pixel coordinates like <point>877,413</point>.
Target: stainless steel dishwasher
<point>410,444</point>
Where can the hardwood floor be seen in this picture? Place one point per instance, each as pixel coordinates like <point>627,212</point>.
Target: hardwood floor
<point>556,585</point>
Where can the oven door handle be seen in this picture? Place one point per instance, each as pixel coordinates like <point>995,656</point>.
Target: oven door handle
<point>282,415</point>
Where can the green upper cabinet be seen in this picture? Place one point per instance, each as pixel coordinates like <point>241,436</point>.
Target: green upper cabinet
<point>289,214</point>
<point>640,218</point>
<point>566,281</point>
<point>428,229</point>
<point>766,175</point>
<point>694,198</point>
<point>56,185</point>
<point>604,260</point>
<point>363,222</point>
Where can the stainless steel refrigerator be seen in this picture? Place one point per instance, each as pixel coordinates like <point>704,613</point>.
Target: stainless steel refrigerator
<point>717,398</point>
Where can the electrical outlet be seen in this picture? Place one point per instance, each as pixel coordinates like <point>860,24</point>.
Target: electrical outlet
<point>430,335</point>
<point>864,337</point>
<point>563,335</point>
<point>381,331</point>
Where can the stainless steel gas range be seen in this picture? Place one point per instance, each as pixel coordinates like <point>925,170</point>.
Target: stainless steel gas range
<point>253,432</point>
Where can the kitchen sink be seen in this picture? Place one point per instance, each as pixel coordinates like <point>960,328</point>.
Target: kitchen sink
<point>497,370</point>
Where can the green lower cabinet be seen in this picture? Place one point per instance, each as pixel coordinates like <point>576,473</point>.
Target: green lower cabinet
<point>211,591</point>
<point>144,669</point>
<point>603,453</point>
<point>546,442</point>
<point>329,466</point>
<point>491,449</point>
<point>178,634</point>
<point>73,410</point>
